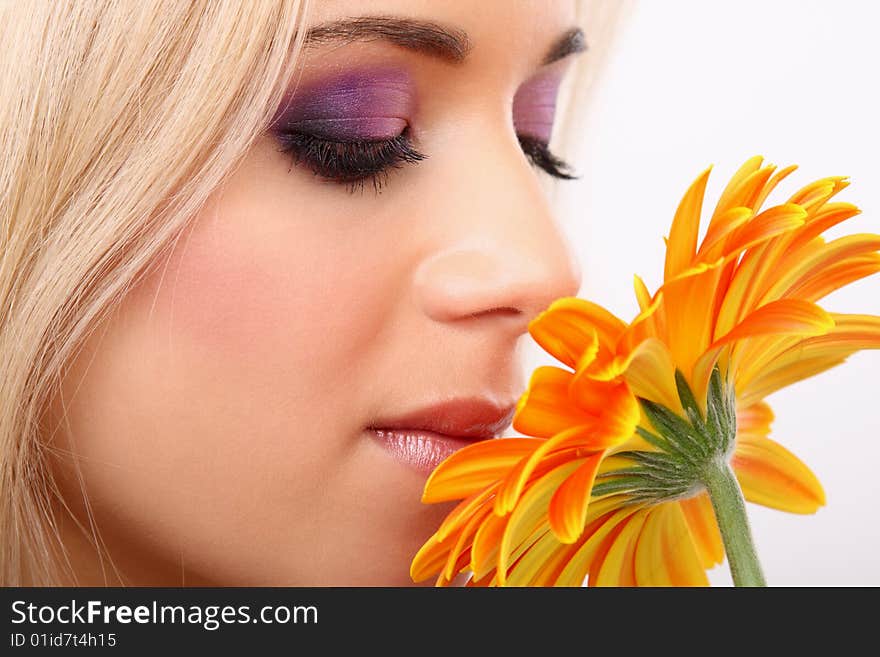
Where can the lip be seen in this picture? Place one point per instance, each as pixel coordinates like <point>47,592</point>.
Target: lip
<point>425,437</point>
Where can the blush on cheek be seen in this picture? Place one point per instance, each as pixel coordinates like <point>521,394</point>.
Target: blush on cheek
<point>534,106</point>
<point>261,281</point>
<point>228,299</point>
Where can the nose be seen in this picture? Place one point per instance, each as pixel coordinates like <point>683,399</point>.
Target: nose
<point>500,252</point>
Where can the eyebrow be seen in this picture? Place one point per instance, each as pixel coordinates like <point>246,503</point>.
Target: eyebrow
<point>440,41</point>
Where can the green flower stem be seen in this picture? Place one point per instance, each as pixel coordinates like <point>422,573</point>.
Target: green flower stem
<point>730,512</point>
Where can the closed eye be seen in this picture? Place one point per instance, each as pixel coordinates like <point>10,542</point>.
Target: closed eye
<point>359,162</point>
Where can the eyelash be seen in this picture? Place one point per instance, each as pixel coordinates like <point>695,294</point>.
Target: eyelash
<point>357,162</point>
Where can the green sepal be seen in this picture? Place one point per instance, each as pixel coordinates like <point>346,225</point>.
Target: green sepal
<point>675,429</point>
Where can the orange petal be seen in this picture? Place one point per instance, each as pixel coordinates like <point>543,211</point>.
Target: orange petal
<point>770,223</point>
<point>546,408</point>
<point>771,475</point>
<point>430,558</point>
<point>818,192</point>
<point>612,404</point>
<point>741,187</point>
<point>466,509</point>
<point>475,467</point>
<point>777,177</point>
<point>785,316</point>
<point>682,242</point>
<point>566,337</point>
<point>830,215</point>
<point>515,480</point>
<point>754,420</point>
<point>712,246</point>
<point>484,551</point>
<point>567,321</point>
<point>567,512</point>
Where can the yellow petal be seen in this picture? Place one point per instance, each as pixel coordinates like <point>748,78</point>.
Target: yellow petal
<point>459,556</point>
<point>575,571</point>
<point>529,513</point>
<point>652,564</point>
<point>616,567</point>
<point>851,332</point>
<point>642,295</point>
<point>704,529</point>
<point>836,276</point>
<point>815,257</point>
<point>534,561</point>
<point>763,374</point>
<point>772,476</point>
<point>679,545</point>
<point>784,372</point>
<point>650,374</point>
<point>612,404</point>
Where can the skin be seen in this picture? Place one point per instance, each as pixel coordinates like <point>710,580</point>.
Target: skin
<point>217,416</point>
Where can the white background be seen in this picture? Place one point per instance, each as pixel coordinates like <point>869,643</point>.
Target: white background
<point>693,83</point>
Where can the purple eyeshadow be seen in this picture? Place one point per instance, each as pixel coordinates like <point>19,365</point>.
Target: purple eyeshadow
<point>356,105</point>
<point>534,106</point>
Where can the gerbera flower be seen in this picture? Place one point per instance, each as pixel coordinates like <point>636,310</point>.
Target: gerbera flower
<point>644,443</point>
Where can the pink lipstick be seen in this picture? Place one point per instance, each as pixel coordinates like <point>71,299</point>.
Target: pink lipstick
<point>425,437</point>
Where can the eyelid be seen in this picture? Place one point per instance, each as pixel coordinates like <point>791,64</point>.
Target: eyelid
<point>356,95</point>
<point>534,104</point>
<point>350,128</point>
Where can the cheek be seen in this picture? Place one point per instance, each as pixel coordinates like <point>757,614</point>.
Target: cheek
<point>270,289</point>
<point>228,391</point>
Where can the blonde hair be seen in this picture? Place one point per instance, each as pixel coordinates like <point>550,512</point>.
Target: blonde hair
<point>118,119</point>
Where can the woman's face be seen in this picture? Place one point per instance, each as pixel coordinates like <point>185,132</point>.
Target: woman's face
<point>257,411</point>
